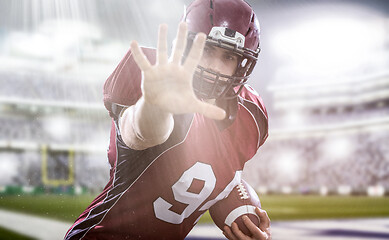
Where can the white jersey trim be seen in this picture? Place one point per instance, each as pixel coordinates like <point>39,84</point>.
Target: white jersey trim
<point>113,182</point>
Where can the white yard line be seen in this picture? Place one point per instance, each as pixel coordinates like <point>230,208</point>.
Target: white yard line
<point>349,229</point>
<point>33,226</point>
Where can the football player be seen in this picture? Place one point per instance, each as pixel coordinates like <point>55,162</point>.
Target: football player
<point>182,128</point>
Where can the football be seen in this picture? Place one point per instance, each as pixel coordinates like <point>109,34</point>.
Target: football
<point>241,201</point>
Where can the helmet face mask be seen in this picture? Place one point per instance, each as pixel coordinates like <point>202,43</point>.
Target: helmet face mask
<point>225,22</point>
<point>209,84</point>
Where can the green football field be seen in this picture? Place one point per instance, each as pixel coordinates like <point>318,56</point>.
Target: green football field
<point>279,207</point>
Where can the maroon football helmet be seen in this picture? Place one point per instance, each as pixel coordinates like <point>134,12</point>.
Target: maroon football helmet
<point>229,24</point>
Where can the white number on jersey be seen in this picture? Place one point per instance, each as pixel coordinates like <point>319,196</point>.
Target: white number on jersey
<point>200,171</point>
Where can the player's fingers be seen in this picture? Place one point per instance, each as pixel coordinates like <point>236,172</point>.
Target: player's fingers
<point>254,230</point>
<point>264,224</point>
<point>195,53</point>
<point>237,232</point>
<point>250,225</point>
<point>162,44</point>
<point>139,57</point>
<point>264,220</point>
<point>209,110</point>
<point>228,233</point>
<point>180,43</point>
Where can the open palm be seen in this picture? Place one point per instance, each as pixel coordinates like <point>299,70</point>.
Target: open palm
<point>168,83</point>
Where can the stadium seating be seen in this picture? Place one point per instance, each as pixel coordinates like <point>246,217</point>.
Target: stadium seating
<point>334,149</point>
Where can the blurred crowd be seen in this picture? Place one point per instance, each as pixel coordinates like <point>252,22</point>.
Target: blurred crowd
<point>352,154</point>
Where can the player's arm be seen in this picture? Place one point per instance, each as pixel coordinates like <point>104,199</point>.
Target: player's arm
<point>166,90</point>
<point>144,125</point>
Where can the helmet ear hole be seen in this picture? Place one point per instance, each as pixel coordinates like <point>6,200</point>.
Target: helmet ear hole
<point>243,63</point>
<point>243,67</point>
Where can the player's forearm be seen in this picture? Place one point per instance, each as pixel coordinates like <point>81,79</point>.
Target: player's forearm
<point>144,125</point>
<point>151,122</point>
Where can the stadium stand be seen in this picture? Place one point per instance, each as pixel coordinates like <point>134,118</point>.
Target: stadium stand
<point>314,146</point>
<point>62,114</point>
<point>327,147</point>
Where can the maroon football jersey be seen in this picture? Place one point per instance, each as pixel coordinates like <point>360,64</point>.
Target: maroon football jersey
<point>161,192</point>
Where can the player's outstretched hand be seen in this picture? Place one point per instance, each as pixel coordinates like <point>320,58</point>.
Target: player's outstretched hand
<point>259,233</point>
<point>168,83</point>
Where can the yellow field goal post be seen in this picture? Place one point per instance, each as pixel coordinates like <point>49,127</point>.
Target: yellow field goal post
<point>49,180</point>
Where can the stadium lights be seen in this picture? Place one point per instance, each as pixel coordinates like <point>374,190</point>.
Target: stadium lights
<point>337,148</point>
<point>55,42</point>
<point>327,47</point>
<point>288,164</point>
<point>294,118</point>
<point>58,127</point>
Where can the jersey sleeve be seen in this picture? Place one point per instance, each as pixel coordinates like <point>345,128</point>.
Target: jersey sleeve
<point>123,86</point>
<point>255,103</point>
